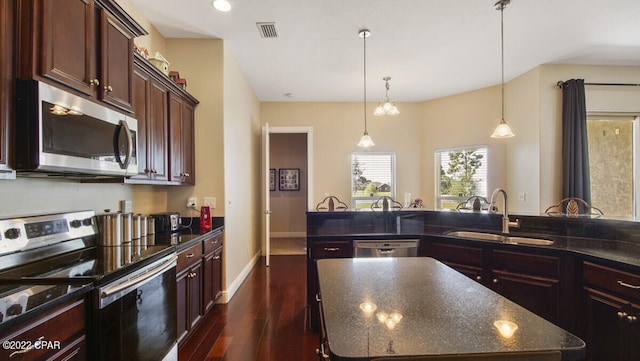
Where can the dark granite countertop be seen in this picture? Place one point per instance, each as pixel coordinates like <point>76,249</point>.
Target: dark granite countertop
<point>190,235</point>
<point>436,317</point>
<point>601,239</point>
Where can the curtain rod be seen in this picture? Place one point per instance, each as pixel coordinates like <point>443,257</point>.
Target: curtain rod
<point>561,83</point>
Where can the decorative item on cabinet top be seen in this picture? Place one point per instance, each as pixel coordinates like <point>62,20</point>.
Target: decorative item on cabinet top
<point>160,62</point>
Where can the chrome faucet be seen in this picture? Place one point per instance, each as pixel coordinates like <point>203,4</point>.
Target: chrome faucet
<point>505,213</point>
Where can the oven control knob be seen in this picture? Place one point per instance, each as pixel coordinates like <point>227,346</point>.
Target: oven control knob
<point>87,222</point>
<point>12,233</point>
<point>76,223</point>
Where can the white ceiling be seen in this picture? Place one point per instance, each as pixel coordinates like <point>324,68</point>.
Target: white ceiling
<point>429,48</point>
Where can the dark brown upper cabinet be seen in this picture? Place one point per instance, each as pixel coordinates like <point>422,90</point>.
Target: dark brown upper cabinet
<point>84,45</point>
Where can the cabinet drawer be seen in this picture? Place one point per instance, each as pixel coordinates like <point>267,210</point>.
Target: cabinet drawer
<point>452,253</point>
<point>212,243</point>
<point>609,279</point>
<point>527,263</point>
<point>331,249</point>
<point>189,256</point>
<point>59,327</point>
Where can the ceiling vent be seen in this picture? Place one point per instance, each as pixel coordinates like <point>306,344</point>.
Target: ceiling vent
<point>267,30</point>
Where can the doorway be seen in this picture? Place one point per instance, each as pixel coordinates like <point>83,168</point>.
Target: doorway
<point>288,178</point>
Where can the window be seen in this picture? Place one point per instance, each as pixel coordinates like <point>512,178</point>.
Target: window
<point>372,176</point>
<point>613,157</point>
<point>460,174</point>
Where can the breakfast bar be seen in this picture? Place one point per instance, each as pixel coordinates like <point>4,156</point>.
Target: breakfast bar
<point>385,308</point>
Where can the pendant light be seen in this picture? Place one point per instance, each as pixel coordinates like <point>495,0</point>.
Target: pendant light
<point>502,130</point>
<point>389,107</point>
<point>366,140</point>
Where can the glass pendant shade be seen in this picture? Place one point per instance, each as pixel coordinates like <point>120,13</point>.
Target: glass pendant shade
<point>366,141</point>
<point>502,131</point>
<point>388,107</point>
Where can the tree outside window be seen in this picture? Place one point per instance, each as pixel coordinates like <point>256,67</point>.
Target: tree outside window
<point>462,174</point>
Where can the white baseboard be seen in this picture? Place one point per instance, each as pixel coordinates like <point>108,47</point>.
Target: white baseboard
<point>235,285</point>
<point>287,234</point>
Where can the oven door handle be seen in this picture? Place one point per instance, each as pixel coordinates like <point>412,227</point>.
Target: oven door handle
<point>107,292</point>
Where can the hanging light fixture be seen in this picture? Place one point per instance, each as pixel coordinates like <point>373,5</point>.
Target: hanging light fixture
<point>502,130</point>
<point>389,107</point>
<point>366,140</point>
<point>222,5</point>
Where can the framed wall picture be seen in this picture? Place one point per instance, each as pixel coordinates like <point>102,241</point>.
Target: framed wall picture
<point>272,179</point>
<point>289,179</point>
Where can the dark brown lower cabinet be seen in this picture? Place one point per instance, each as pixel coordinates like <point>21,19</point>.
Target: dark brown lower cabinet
<point>64,324</point>
<point>318,250</point>
<point>612,313</point>
<point>199,282</point>
<point>613,331</point>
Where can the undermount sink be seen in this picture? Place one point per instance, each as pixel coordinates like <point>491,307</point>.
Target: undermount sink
<point>477,235</point>
<point>501,238</point>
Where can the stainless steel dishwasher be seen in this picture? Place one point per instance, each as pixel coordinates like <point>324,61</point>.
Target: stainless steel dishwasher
<point>386,248</point>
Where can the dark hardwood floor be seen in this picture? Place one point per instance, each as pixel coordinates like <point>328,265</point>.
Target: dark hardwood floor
<point>265,319</point>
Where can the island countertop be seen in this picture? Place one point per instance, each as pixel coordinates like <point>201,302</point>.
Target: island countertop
<point>442,312</point>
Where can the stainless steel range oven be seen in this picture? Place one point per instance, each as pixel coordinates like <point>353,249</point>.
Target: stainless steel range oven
<point>132,309</point>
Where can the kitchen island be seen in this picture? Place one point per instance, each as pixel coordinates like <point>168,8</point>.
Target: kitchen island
<point>392,307</point>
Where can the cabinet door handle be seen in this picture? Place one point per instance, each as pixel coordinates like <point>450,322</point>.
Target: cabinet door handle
<point>190,255</point>
<point>318,299</point>
<point>94,82</point>
<point>627,285</point>
<point>331,249</point>
<point>632,319</point>
<point>622,315</point>
<point>216,257</point>
<point>478,278</point>
<point>108,88</point>
<point>495,280</point>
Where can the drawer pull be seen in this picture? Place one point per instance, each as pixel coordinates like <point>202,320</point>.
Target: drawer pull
<point>22,352</point>
<point>622,315</point>
<point>331,249</point>
<point>190,255</point>
<point>624,284</point>
<point>478,278</point>
<point>216,257</point>
<point>632,319</point>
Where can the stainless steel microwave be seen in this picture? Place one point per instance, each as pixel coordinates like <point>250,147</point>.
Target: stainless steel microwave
<point>61,133</point>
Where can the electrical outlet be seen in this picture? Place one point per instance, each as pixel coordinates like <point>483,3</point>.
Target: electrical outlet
<point>126,206</point>
<point>192,203</point>
<point>522,196</point>
<point>210,201</point>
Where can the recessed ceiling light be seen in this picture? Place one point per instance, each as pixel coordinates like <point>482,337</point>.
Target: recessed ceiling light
<point>222,5</point>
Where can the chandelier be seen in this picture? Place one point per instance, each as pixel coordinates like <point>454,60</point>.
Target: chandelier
<point>388,107</point>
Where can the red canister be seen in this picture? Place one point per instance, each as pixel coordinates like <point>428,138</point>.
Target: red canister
<point>205,219</point>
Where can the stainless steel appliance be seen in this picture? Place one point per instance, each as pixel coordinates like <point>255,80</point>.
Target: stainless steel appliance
<point>386,248</point>
<point>166,222</point>
<point>62,133</point>
<point>132,308</point>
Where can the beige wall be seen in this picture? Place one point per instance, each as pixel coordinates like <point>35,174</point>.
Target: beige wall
<point>337,127</point>
<point>462,120</point>
<point>288,208</point>
<point>242,191</point>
